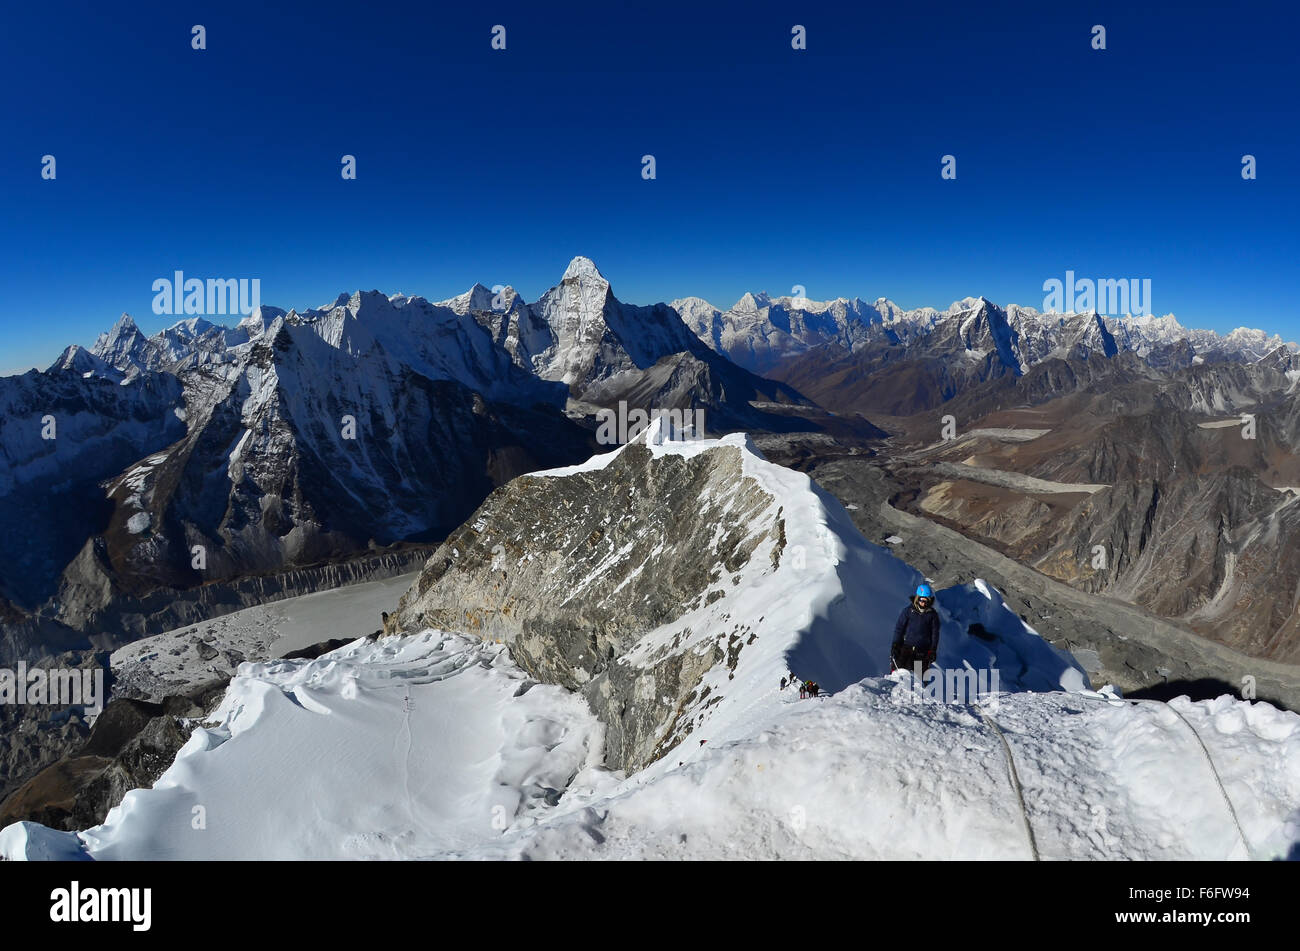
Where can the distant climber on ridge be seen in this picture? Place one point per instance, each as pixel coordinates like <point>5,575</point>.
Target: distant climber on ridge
<point>916,633</point>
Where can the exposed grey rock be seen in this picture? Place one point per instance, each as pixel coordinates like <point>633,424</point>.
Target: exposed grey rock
<point>571,571</point>
<point>233,441</point>
<point>32,737</point>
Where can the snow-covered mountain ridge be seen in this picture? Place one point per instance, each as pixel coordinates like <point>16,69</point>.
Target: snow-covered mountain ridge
<point>293,439</point>
<point>695,565</point>
<point>760,332</point>
<point>554,336</point>
<point>443,744</point>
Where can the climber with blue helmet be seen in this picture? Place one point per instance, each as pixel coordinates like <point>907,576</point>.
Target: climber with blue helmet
<point>916,633</point>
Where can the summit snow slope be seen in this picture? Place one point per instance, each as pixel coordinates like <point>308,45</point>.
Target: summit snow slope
<point>407,748</point>
<point>437,745</point>
<point>425,747</point>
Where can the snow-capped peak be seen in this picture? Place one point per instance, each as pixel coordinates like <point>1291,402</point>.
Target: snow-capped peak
<point>583,269</point>
<point>692,304</point>
<point>340,301</point>
<point>123,346</point>
<point>967,303</point>
<point>124,329</point>
<point>749,303</point>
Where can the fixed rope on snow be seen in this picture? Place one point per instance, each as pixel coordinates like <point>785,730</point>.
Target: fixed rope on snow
<point>1015,783</point>
<point>1232,811</point>
<point>1217,778</point>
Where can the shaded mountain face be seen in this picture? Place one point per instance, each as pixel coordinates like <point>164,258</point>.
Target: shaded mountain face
<point>61,435</point>
<point>205,454</point>
<point>306,457</point>
<point>296,449</point>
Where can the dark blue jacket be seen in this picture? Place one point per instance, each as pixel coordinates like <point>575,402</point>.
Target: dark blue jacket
<point>917,629</point>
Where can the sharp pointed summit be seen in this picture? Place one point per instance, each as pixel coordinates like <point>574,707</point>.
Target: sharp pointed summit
<point>583,268</point>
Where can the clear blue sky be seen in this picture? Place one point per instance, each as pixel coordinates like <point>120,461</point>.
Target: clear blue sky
<point>775,167</point>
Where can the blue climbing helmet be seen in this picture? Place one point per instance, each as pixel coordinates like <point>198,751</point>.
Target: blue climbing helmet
<point>924,591</point>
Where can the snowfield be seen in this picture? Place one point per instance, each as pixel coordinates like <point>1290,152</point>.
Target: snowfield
<point>868,774</point>
<point>436,745</point>
<point>409,747</point>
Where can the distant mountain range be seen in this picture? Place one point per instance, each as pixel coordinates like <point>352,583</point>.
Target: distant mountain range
<point>206,454</point>
<point>881,360</point>
<point>761,332</point>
